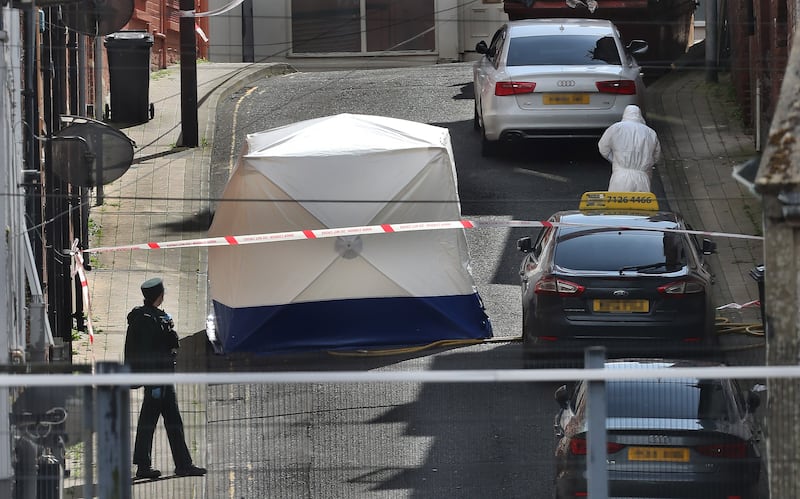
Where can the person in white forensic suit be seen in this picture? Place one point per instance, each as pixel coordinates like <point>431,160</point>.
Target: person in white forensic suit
<point>633,149</point>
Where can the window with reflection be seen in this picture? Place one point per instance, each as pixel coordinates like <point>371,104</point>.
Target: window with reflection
<point>331,26</point>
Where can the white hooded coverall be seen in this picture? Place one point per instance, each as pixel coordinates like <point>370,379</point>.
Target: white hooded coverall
<point>633,149</point>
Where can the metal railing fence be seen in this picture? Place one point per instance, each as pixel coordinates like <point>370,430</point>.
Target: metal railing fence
<point>379,433</point>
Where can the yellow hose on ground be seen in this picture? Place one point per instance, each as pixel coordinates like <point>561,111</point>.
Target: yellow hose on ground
<point>723,326</point>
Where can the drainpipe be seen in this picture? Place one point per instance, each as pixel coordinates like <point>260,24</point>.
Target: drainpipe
<point>162,57</point>
<point>81,74</point>
<point>757,118</point>
<point>711,41</point>
<point>99,105</point>
<point>162,34</point>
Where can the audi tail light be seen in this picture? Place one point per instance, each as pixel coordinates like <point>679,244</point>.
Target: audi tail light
<point>514,87</point>
<point>619,87</point>
<point>682,287</point>
<point>578,447</point>
<point>555,286</point>
<point>613,447</point>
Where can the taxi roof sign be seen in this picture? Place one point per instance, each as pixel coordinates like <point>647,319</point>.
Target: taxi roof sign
<point>604,200</point>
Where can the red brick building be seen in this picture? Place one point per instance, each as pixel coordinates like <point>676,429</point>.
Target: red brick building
<point>161,18</point>
<point>760,33</point>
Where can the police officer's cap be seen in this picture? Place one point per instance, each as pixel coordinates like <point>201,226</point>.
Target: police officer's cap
<point>152,288</point>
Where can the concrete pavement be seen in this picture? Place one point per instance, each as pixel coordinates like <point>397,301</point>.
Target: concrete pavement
<point>165,196</point>
<point>702,139</point>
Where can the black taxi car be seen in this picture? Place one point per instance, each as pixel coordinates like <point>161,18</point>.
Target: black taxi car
<point>617,272</point>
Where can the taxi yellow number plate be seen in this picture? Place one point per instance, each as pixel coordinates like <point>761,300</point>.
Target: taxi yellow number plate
<point>621,306</point>
<point>565,99</point>
<point>664,454</point>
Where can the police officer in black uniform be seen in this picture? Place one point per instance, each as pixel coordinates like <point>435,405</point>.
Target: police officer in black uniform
<point>151,345</point>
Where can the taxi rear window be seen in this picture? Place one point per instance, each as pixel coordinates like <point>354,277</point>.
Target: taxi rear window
<point>608,249</point>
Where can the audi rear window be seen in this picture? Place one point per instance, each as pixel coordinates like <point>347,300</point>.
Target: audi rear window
<point>570,50</point>
<point>667,398</point>
<point>607,249</point>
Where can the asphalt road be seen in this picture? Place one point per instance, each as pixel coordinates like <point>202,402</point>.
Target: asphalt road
<point>403,440</point>
<point>527,183</point>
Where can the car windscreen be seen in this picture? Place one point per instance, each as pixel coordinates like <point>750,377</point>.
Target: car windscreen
<point>607,249</point>
<point>667,398</point>
<point>567,50</point>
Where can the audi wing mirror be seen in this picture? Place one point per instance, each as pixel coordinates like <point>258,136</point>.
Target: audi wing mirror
<point>709,247</point>
<point>562,396</point>
<point>524,244</point>
<point>637,47</point>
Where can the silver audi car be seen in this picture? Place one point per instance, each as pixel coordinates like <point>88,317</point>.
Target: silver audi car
<point>556,78</point>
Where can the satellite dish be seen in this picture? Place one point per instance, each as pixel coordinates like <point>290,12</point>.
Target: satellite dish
<point>97,17</point>
<point>88,153</point>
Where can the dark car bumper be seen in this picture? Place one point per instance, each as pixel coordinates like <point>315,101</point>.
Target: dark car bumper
<point>624,334</point>
<point>687,486</point>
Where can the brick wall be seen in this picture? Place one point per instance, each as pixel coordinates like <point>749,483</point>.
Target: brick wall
<point>161,18</point>
<point>740,22</point>
<point>760,34</point>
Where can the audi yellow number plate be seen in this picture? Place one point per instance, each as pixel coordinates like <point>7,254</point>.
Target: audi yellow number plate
<point>664,454</point>
<point>621,306</point>
<point>565,99</point>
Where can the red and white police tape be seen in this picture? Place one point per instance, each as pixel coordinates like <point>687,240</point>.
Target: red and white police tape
<point>736,306</point>
<point>353,231</point>
<point>384,229</point>
<point>77,259</point>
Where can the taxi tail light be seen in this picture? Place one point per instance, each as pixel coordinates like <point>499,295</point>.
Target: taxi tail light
<point>578,447</point>
<point>619,87</point>
<point>681,288</point>
<point>737,450</point>
<point>555,286</point>
<point>502,88</point>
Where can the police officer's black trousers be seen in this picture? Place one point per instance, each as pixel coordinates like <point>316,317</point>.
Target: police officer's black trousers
<point>152,407</point>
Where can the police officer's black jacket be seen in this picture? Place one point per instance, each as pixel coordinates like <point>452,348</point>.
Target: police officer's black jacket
<point>151,341</point>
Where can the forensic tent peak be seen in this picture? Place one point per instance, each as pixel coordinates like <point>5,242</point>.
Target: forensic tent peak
<point>345,134</point>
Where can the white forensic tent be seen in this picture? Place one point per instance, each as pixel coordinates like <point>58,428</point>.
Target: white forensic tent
<point>406,288</point>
